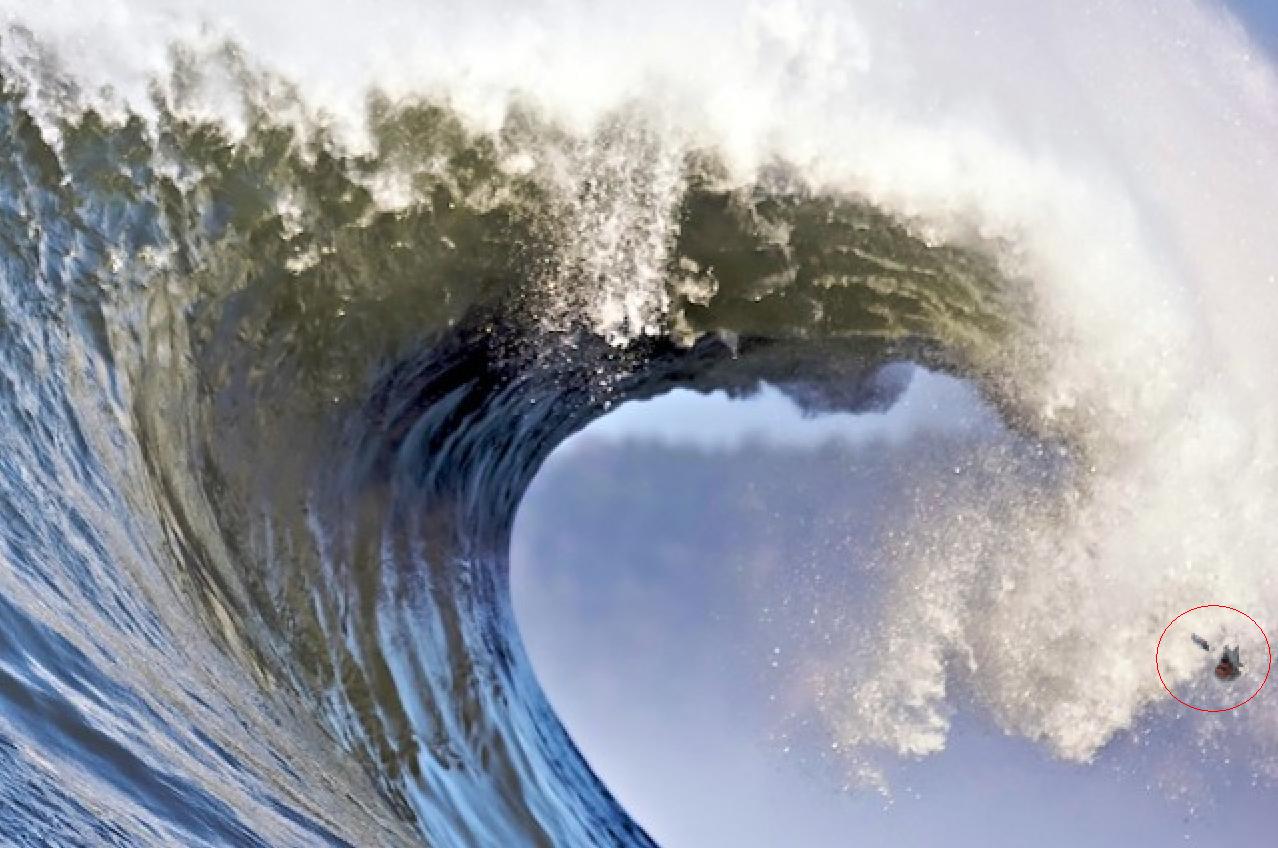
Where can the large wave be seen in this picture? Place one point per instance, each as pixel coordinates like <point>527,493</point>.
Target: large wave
<point>295,304</point>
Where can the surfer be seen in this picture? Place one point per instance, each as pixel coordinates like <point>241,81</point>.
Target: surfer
<point>1229,666</point>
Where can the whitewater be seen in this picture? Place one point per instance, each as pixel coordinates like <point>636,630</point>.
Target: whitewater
<point>295,300</point>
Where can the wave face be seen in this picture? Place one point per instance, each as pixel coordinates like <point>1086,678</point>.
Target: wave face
<point>285,343</point>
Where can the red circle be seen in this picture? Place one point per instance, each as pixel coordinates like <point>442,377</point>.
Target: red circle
<point>1264,635</point>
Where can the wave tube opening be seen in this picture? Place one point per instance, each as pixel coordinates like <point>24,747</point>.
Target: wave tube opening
<point>697,578</point>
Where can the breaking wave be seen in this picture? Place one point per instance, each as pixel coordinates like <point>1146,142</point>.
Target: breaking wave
<point>290,322</point>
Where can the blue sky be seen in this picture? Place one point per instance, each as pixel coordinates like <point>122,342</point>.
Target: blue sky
<point>1261,18</point>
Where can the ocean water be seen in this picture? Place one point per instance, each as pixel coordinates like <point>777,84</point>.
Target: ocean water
<point>295,300</point>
